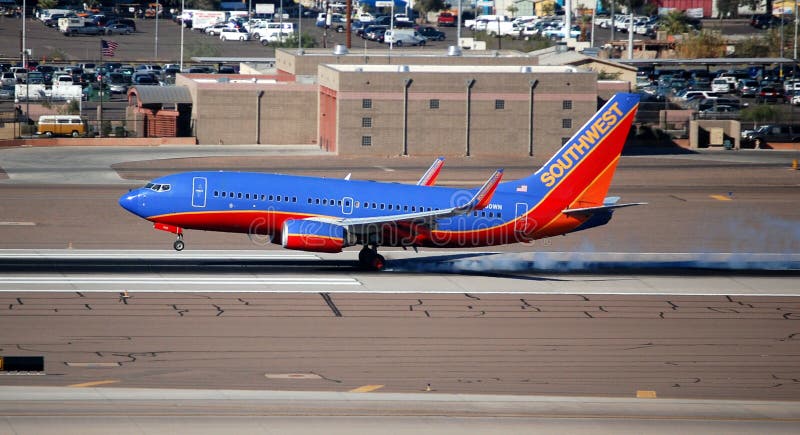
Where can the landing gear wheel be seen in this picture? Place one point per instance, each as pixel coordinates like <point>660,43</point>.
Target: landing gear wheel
<point>377,262</point>
<point>369,259</point>
<point>178,245</point>
<point>364,256</point>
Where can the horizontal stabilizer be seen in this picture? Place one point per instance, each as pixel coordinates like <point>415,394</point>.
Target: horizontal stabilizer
<point>592,210</point>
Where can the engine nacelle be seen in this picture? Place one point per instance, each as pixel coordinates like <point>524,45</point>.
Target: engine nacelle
<point>314,236</point>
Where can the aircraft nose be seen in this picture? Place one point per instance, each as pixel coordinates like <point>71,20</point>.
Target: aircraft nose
<point>132,201</point>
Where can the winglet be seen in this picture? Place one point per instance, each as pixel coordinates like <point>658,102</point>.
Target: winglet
<point>429,177</point>
<point>484,195</point>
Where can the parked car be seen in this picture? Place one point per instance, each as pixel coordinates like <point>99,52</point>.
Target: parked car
<point>375,33</point>
<point>765,21</point>
<point>126,21</point>
<point>216,29</point>
<point>431,33</point>
<point>720,85</point>
<point>118,83</point>
<point>232,34</point>
<point>721,111</point>
<point>119,29</point>
<point>769,95</point>
<point>8,79</point>
<point>771,133</point>
<point>747,88</point>
<point>401,37</point>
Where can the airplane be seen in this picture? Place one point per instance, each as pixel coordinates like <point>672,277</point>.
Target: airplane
<point>567,194</point>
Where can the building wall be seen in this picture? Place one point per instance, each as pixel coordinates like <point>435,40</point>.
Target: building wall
<point>230,114</point>
<point>434,131</point>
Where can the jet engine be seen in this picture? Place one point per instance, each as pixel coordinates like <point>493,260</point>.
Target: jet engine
<point>314,236</point>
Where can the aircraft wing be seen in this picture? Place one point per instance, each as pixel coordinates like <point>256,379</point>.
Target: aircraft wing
<point>367,224</point>
<point>429,177</point>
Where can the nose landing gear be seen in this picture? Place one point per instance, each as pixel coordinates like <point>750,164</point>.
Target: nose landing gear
<point>178,245</point>
<point>369,258</point>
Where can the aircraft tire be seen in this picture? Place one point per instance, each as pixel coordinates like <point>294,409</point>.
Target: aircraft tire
<point>178,245</point>
<point>377,262</point>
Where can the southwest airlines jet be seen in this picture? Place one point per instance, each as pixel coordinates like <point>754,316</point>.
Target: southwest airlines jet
<point>565,195</point>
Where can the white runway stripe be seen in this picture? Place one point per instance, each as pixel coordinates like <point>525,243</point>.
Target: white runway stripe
<point>41,280</point>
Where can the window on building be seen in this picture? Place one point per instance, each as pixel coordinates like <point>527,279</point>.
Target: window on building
<point>499,104</point>
<point>366,122</point>
<point>566,123</point>
<point>434,103</point>
<point>564,140</point>
<point>366,103</point>
<point>566,104</point>
<point>366,141</point>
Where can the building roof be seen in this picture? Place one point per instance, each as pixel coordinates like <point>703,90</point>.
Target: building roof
<point>554,57</point>
<point>404,53</point>
<point>477,69</point>
<point>162,94</point>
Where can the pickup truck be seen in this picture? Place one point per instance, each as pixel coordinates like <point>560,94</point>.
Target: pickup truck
<point>87,29</point>
<point>446,19</point>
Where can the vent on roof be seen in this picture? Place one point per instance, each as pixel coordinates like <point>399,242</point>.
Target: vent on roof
<point>526,69</point>
<point>403,68</point>
<point>340,50</point>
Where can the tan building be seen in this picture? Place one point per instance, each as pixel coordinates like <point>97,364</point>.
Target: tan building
<point>241,109</point>
<point>452,110</point>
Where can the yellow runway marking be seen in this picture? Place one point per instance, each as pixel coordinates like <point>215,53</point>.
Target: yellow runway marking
<point>645,394</point>
<point>366,388</point>
<point>93,384</point>
<point>721,197</point>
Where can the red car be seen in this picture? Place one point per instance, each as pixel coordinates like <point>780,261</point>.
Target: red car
<point>446,19</point>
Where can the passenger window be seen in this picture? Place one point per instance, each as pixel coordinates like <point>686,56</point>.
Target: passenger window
<point>383,206</point>
<point>339,203</point>
<point>358,205</point>
<point>294,199</point>
<point>247,196</point>
<point>271,198</point>
<point>230,194</point>
<point>390,206</point>
<point>413,208</point>
<point>239,195</point>
<point>405,208</point>
<point>316,201</point>
<point>216,193</point>
<point>224,194</point>
<point>263,197</point>
<point>309,200</point>
<point>324,201</point>
<point>491,214</point>
<point>285,199</point>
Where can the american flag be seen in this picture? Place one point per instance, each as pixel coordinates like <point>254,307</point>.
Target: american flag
<point>108,47</point>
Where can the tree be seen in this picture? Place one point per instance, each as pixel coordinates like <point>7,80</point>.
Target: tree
<point>674,23</point>
<point>424,6</point>
<point>702,45</point>
<point>47,4</point>
<point>512,9</point>
<point>548,8</point>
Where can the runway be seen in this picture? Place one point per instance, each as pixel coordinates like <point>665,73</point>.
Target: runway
<point>691,299</point>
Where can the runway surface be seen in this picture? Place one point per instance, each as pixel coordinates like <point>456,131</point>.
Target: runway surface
<point>708,316</point>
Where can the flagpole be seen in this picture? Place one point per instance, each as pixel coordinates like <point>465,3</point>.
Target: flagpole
<point>100,115</point>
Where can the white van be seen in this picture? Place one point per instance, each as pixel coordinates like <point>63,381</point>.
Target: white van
<point>69,125</point>
<point>401,37</point>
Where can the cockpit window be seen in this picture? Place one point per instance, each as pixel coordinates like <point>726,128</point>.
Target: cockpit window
<point>158,187</point>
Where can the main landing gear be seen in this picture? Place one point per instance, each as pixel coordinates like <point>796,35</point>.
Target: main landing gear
<point>369,258</point>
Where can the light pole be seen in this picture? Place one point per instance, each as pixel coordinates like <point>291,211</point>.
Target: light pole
<point>183,17</point>
<point>158,7</point>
